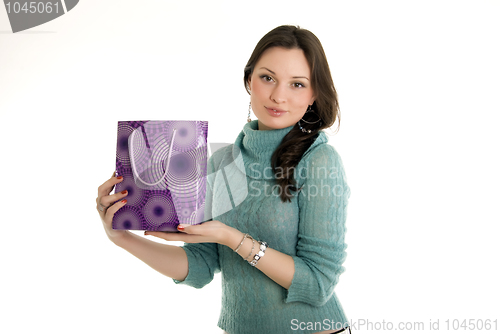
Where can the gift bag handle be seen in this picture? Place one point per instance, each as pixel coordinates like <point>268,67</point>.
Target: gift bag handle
<point>132,161</point>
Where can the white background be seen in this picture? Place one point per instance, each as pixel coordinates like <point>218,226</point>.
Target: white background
<point>418,85</point>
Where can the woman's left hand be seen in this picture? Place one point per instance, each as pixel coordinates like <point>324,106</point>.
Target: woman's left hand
<point>211,231</point>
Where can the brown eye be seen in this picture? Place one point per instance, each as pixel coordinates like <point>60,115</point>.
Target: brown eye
<point>266,78</point>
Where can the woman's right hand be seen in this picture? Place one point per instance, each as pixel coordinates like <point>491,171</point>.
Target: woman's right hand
<point>106,210</point>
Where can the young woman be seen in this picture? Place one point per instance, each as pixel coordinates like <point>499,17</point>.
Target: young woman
<point>280,247</point>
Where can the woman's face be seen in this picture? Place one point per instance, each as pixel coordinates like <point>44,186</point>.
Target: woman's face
<point>280,88</point>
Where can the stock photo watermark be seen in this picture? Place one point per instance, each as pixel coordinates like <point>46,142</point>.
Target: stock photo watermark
<point>429,325</point>
<point>256,188</point>
<point>306,171</point>
<point>24,15</point>
<point>320,186</point>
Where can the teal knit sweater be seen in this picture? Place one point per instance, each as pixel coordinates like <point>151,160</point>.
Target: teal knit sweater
<point>311,229</point>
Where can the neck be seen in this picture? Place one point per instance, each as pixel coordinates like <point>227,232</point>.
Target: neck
<point>257,147</point>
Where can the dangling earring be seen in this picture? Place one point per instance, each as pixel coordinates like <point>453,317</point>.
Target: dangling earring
<point>309,110</point>
<point>248,117</point>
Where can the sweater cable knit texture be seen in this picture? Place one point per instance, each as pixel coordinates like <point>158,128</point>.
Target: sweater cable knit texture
<point>242,193</point>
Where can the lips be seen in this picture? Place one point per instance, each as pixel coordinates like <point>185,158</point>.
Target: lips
<point>275,109</point>
<point>275,112</point>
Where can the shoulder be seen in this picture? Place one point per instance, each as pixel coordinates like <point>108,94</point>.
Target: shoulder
<point>321,152</point>
<point>320,159</point>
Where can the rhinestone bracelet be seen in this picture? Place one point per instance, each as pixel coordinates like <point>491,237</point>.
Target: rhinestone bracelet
<point>253,246</point>
<point>241,243</point>
<point>260,254</point>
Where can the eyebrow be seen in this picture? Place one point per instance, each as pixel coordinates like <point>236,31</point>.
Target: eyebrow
<point>296,77</point>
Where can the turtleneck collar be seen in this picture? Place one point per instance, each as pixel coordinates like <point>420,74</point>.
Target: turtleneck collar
<point>257,147</point>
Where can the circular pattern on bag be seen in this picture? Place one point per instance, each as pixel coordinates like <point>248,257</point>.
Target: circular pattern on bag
<point>186,136</point>
<point>159,209</point>
<point>152,166</point>
<point>185,171</point>
<point>137,147</point>
<point>124,131</point>
<point>127,218</point>
<point>199,215</point>
<point>136,196</point>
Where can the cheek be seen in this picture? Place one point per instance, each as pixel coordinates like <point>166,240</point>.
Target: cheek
<point>257,88</point>
<point>303,101</point>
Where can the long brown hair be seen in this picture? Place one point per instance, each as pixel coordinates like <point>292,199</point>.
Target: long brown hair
<point>295,143</point>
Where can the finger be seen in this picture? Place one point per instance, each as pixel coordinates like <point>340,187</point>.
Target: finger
<point>110,212</point>
<point>106,201</point>
<point>105,188</point>
<point>109,184</point>
<point>194,230</point>
<point>184,228</point>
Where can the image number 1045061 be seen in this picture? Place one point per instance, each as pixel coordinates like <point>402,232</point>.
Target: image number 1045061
<point>28,14</point>
<point>34,7</point>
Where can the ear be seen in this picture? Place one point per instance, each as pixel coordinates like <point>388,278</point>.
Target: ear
<point>248,84</point>
<point>313,98</point>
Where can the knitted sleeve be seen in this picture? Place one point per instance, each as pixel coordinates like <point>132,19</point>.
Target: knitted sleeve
<point>322,215</point>
<point>203,258</point>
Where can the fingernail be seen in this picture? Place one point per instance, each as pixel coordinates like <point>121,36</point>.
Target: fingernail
<point>124,201</point>
<point>119,177</point>
<point>124,192</point>
<point>180,227</point>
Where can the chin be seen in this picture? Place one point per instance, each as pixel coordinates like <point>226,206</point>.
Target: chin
<point>273,124</point>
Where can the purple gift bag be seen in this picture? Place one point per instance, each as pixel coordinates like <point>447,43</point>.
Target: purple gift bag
<point>164,167</point>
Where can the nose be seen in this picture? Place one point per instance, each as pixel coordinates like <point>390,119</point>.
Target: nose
<point>278,94</point>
